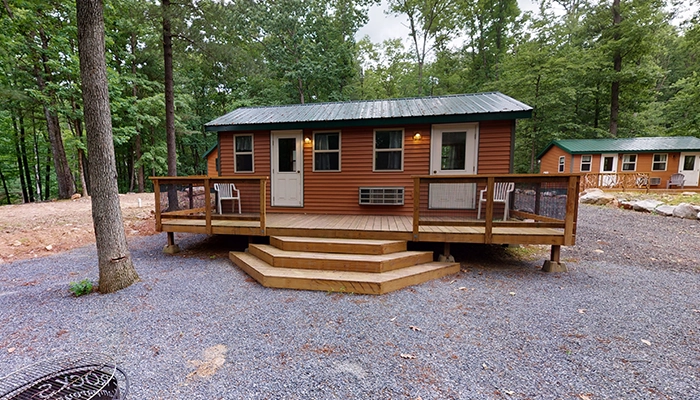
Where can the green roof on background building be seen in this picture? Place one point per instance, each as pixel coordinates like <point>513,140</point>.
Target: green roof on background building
<point>626,145</point>
<point>436,109</point>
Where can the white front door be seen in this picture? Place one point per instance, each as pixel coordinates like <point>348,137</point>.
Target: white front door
<point>608,167</point>
<point>690,167</point>
<point>287,176</point>
<point>453,151</point>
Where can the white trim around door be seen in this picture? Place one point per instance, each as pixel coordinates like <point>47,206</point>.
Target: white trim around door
<point>689,166</point>
<point>287,156</point>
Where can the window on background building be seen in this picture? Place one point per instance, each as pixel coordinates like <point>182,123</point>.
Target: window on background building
<point>659,163</point>
<point>629,162</point>
<point>586,161</point>
<point>327,151</point>
<point>388,150</point>
<point>243,153</point>
<point>562,162</point>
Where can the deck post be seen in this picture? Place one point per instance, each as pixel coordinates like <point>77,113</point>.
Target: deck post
<point>571,211</point>
<point>554,264</point>
<point>446,256</point>
<point>263,204</point>
<point>171,247</point>
<point>207,205</point>
<point>488,227</point>
<point>416,207</point>
<point>156,193</point>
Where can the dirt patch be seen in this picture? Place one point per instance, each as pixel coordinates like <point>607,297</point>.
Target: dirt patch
<point>41,229</point>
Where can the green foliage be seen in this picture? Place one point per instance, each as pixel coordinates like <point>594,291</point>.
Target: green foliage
<point>81,288</point>
<point>245,53</point>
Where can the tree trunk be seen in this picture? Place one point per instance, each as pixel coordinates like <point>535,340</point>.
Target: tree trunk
<point>617,68</point>
<point>37,161</point>
<point>25,162</point>
<point>139,170</point>
<point>64,178</point>
<point>115,263</point>
<point>137,141</point>
<point>20,166</point>
<point>4,186</point>
<point>169,104</point>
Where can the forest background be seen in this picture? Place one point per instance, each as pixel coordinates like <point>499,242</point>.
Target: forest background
<point>590,69</point>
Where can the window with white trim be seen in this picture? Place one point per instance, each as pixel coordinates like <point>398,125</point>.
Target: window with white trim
<point>659,162</point>
<point>327,151</point>
<point>629,162</point>
<point>388,150</point>
<point>562,162</point>
<point>243,153</point>
<point>586,161</point>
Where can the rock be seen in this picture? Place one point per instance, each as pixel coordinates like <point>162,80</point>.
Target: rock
<point>646,205</point>
<point>596,196</point>
<point>627,204</point>
<point>665,210</point>
<point>76,196</point>
<point>688,194</point>
<point>685,210</point>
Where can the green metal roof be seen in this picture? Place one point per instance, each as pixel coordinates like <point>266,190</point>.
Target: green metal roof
<point>626,145</point>
<point>438,109</point>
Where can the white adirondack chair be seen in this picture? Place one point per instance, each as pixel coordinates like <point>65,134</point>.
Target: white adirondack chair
<point>501,194</point>
<point>227,191</point>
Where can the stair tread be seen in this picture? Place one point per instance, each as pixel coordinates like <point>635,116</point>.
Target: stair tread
<point>363,277</point>
<point>276,252</point>
<point>369,242</point>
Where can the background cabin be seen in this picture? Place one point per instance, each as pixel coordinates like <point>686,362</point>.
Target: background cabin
<point>647,160</point>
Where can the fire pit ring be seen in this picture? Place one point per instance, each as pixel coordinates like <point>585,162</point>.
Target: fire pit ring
<point>79,376</point>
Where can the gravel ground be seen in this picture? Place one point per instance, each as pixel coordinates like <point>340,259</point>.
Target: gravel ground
<point>624,322</point>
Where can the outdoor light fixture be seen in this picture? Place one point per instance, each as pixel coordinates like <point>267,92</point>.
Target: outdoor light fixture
<point>307,140</point>
<point>417,136</point>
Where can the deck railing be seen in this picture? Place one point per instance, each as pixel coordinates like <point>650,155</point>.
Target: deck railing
<point>194,198</point>
<point>540,201</point>
<point>616,180</point>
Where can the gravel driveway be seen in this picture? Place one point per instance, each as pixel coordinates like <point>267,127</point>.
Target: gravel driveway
<point>623,323</point>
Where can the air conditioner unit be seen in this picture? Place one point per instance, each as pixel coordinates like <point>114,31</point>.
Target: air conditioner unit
<point>387,196</point>
<point>654,181</point>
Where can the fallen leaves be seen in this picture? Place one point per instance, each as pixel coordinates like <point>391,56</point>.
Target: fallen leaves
<point>407,356</point>
<point>414,328</point>
<point>646,342</point>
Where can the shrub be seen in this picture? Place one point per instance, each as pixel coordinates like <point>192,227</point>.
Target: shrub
<point>81,288</point>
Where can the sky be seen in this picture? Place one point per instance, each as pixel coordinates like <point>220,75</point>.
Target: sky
<point>382,27</point>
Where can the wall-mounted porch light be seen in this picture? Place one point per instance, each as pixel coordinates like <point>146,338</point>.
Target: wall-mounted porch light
<point>417,136</point>
<point>307,140</point>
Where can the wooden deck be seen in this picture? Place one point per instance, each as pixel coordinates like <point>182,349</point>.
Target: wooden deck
<point>369,227</point>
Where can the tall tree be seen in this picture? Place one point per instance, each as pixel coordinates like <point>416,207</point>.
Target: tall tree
<point>115,263</point>
<point>429,22</point>
<point>169,102</point>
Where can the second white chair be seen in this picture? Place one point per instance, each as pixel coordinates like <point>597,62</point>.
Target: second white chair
<point>227,191</point>
<point>501,194</point>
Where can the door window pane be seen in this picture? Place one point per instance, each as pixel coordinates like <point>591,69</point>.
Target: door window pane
<point>454,146</point>
<point>608,164</point>
<point>287,160</point>
<point>689,163</point>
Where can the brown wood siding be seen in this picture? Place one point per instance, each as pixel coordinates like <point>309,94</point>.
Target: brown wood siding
<point>495,147</point>
<point>645,162</point>
<point>211,163</point>
<point>549,163</point>
<point>337,192</point>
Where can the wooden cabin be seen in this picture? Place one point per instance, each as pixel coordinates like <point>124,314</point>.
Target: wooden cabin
<point>339,178</point>
<point>642,162</point>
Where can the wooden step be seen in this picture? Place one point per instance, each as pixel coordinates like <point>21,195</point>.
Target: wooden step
<point>338,262</point>
<point>333,245</point>
<point>340,281</point>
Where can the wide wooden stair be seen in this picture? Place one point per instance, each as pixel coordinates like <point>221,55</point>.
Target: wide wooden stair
<point>339,265</point>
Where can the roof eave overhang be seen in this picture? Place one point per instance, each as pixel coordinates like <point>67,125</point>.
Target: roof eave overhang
<point>442,119</point>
